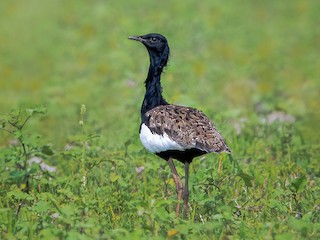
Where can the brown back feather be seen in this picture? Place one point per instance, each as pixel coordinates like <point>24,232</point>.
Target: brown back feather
<point>187,126</point>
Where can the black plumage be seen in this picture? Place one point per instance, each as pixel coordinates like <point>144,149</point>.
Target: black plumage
<point>172,131</point>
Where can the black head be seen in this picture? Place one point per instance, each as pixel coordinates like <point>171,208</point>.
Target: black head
<point>157,47</point>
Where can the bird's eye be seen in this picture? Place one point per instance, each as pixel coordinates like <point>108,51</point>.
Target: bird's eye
<point>153,39</point>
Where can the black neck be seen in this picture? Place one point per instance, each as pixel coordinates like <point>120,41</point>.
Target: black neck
<point>153,96</point>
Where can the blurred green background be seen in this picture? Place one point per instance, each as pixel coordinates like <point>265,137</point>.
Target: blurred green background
<point>232,59</point>
<point>244,63</point>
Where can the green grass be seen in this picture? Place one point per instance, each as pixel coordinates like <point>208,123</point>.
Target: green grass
<point>239,62</point>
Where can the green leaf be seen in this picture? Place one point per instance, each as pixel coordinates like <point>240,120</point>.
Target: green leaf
<point>246,178</point>
<point>14,117</point>
<point>3,122</point>
<point>19,195</point>
<point>273,203</point>
<point>29,111</point>
<point>40,110</point>
<point>17,134</point>
<point>114,177</point>
<point>47,150</point>
<point>92,136</point>
<point>42,206</point>
<point>298,184</point>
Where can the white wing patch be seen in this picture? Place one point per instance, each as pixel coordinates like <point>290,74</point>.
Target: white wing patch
<point>157,143</point>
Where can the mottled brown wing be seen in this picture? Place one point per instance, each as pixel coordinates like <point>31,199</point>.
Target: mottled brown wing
<point>187,126</point>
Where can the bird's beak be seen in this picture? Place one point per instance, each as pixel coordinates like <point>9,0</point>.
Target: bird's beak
<point>137,38</point>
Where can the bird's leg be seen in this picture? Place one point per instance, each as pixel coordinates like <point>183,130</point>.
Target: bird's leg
<point>186,190</point>
<point>220,165</point>
<point>178,183</point>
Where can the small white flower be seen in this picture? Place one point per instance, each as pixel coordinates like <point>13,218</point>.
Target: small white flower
<point>139,170</point>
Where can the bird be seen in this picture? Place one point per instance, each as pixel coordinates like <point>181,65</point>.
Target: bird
<point>172,131</point>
